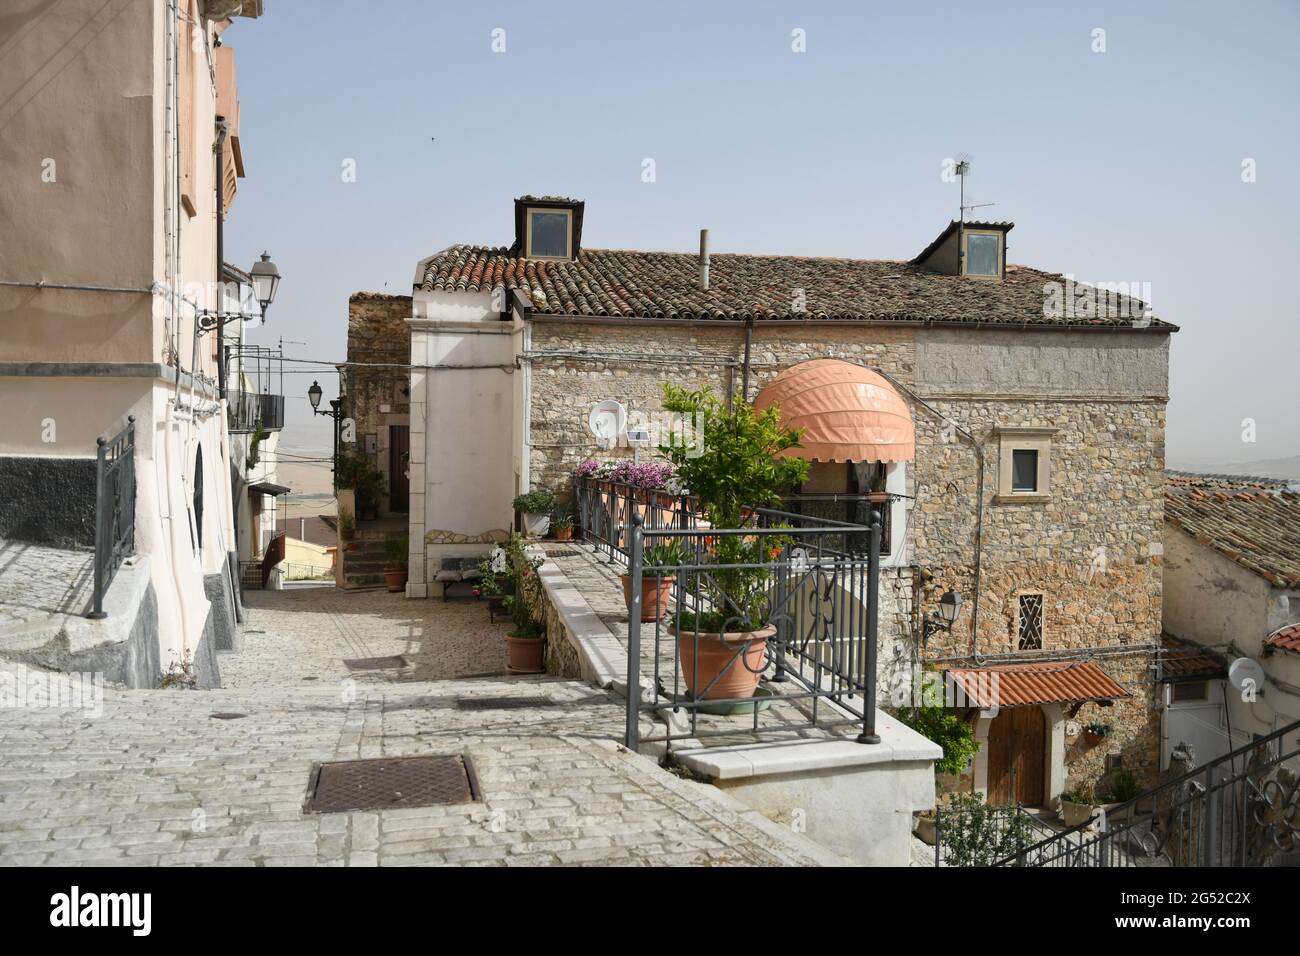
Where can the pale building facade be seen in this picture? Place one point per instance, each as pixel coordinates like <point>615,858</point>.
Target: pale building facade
<point>108,257</point>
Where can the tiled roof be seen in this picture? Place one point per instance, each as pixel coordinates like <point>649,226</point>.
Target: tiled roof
<point>1045,682</point>
<point>1257,527</point>
<point>624,283</point>
<point>1184,660</point>
<point>1286,638</point>
<point>1193,479</point>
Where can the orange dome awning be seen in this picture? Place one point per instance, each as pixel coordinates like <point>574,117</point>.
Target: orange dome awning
<point>847,412</point>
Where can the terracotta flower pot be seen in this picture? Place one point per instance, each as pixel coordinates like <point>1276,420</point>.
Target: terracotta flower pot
<point>526,654</point>
<point>655,593</point>
<point>1092,738</point>
<point>564,534</point>
<point>737,655</point>
<point>395,578</point>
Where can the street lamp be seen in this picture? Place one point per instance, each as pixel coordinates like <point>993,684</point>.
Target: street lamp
<point>266,280</point>
<point>942,619</point>
<point>314,396</point>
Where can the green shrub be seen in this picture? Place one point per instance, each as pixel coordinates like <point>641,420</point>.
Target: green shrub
<point>536,502</point>
<point>947,729</point>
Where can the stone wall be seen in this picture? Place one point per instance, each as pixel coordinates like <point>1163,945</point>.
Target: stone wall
<point>1093,548</point>
<point>376,398</point>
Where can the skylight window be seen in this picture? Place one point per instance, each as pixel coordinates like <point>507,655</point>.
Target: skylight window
<point>983,255</point>
<point>549,233</point>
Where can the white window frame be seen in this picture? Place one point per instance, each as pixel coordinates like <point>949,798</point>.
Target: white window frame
<point>1018,438</point>
<point>528,231</point>
<point>965,253</point>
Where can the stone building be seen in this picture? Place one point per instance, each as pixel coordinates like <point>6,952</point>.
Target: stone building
<point>1038,415</point>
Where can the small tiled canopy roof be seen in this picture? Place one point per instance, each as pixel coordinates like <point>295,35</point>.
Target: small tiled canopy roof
<point>1257,526</point>
<point>1054,682</point>
<point>630,283</point>
<point>1285,638</point>
<point>846,412</point>
<point>1185,661</point>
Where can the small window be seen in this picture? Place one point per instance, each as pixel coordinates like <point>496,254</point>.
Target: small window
<point>982,258</point>
<point>1192,690</point>
<point>1031,623</point>
<point>1024,470</point>
<point>1293,608</point>
<point>548,233</point>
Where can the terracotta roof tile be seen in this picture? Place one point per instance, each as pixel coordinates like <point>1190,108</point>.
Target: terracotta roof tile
<point>1286,638</point>
<point>1256,526</point>
<point>628,283</point>
<point>1184,660</point>
<point>1046,682</point>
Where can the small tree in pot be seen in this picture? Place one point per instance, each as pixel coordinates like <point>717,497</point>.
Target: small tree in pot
<point>722,649</point>
<point>527,638</point>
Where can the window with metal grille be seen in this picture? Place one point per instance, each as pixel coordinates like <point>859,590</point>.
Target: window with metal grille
<point>1031,622</point>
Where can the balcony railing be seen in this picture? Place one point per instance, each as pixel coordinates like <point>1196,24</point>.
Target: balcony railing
<point>114,509</point>
<point>249,410</point>
<point>819,593</point>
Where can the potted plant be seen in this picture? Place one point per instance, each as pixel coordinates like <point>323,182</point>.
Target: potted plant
<point>526,640</point>
<point>395,564</point>
<point>656,581</point>
<point>1095,732</point>
<point>536,507</point>
<point>347,525</point>
<point>1078,805</point>
<point>876,493</point>
<point>722,644</point>
<point>1123,788</point>
<point>562,525</point>
<point>355,470</point>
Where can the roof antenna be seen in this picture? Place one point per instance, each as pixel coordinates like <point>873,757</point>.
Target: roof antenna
<point>963,170</point>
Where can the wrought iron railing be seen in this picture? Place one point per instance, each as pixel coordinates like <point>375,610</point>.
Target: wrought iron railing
<point>114,509</point>
<point>248,411</point>
<point>1242,809</point>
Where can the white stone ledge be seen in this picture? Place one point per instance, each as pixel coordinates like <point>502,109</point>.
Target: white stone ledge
<point>601,655</point>
<point>898,744</point>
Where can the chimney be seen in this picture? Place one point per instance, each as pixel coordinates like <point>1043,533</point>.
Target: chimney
<point>704,259</point>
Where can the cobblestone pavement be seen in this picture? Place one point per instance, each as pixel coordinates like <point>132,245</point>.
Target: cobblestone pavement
<point>219,777</point>
<point>37,582</point>
<point>302,636</point>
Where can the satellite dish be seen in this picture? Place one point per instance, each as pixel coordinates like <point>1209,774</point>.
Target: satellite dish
<point>1243,670</point>
<point>607,421</point>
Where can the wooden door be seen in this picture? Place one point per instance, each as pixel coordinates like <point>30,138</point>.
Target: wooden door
<point>399,486</point>
<point>1017,746</point>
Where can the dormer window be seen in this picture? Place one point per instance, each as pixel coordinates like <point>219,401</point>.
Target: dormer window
<point>548,227</point>
<point>984,254</point>
<point>550,234</point>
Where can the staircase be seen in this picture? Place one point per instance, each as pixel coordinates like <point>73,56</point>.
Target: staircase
<point>365,557</point>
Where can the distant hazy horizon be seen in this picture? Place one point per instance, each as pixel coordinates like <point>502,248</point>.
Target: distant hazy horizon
<point>1128,165</point>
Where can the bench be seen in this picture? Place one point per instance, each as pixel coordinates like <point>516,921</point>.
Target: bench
<point>458,571</point>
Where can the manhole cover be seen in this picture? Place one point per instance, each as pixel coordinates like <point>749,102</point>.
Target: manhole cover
<point>375,663</point>
<point>226,716</point>
<point>558,552</point>
<point>502,703</point>
<point>390,783</point>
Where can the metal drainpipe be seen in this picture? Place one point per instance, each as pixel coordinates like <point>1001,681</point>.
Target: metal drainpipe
<point>223,129</point>
<point>744,372</point>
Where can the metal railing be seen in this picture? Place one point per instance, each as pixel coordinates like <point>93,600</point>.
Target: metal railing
<point>247,411</point>
<point>114,509</point>
<point>1242,809</point>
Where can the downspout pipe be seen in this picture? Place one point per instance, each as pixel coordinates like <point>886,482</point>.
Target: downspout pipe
<point>744,371</point>
<point>223,130</point>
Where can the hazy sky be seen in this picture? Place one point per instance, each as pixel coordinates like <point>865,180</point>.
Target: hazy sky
<point>1123,165</point>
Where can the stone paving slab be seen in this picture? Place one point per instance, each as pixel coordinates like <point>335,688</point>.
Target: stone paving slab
<point>154,778</point>
<point>38,583</point>
<point>158,780</point>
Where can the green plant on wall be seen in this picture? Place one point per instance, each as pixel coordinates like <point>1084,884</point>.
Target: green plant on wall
<point>947,729</point>
<point>254,447</point>
<point>355,470</point>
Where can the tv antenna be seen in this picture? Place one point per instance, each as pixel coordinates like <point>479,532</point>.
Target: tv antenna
<point>963,170</point>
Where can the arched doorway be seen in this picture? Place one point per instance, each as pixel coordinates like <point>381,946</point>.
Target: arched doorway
<point>1017,745</point>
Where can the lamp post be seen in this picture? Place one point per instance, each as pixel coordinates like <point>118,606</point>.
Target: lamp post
<point>314,396</point>
<point>266,280</point>
<point>942,619</point>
